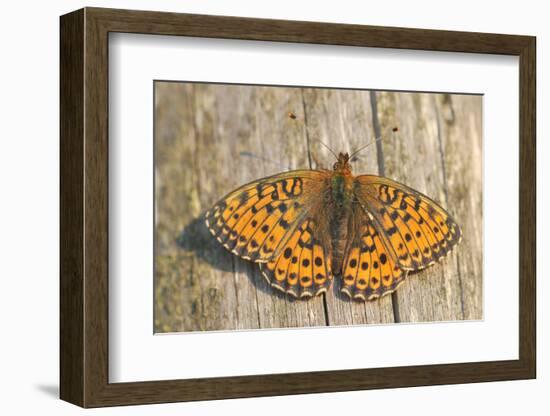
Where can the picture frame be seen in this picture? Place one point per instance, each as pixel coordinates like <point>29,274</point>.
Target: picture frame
<point>84,217</point>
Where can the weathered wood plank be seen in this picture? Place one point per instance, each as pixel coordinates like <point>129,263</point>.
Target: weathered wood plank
<point>272,135</point>
<point>416,157</point>
<point>211,139</point>
<point>195,286</point>
<point>343,121</point>
<point>200,286</point>
<point>461,133</point>
<point>413,157</point>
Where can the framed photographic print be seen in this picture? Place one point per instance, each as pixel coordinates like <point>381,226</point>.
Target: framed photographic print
<point>261,207</point>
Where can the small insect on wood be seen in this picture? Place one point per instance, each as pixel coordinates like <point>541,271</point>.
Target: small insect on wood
<point>305,226</point>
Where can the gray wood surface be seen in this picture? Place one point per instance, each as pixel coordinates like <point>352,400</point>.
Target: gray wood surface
<point>210,139</point>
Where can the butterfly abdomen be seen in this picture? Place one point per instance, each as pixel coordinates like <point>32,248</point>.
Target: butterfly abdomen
<point>342,196</point>
<point>339,231</point>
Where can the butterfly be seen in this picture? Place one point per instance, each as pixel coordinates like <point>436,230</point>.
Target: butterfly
<point>305,226</point>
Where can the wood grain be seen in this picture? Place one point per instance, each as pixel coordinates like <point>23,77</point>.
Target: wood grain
<point>212,138</point>
<point>71,286</point>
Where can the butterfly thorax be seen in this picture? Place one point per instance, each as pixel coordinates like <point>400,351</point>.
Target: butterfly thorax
<point>342,182</point>
<point>341,191</point>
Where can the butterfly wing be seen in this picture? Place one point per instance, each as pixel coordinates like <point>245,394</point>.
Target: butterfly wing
<point>368,271</point>
<point>257,220</point>
<point>415,230</point>
<point>303,266</point>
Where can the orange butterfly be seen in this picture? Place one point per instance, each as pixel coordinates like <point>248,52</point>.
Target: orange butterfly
<point>304,226</point>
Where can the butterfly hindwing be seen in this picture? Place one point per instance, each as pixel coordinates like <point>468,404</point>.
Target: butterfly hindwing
<point>256,220</point>
<point>369,270</point>
<point>302,267</point>
<point>416,230</point>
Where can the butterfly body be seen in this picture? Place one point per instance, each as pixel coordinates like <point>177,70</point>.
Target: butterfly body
<point>339,196</point>
<point>339,234</point>
<point>303,227</point>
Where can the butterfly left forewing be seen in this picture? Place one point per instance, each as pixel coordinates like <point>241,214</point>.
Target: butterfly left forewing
<point>256,220</point>
<point>416,230</point>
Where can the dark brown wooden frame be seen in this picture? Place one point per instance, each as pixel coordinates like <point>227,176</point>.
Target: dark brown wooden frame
<point>84,207</point>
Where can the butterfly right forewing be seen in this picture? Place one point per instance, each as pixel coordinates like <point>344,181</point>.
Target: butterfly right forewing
<point>416,230</point>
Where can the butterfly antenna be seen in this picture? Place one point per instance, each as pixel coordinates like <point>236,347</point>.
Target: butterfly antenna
<point>331,151</point>
<point>264,159</point>
<point>394,129</point>
<point>364,147</point>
